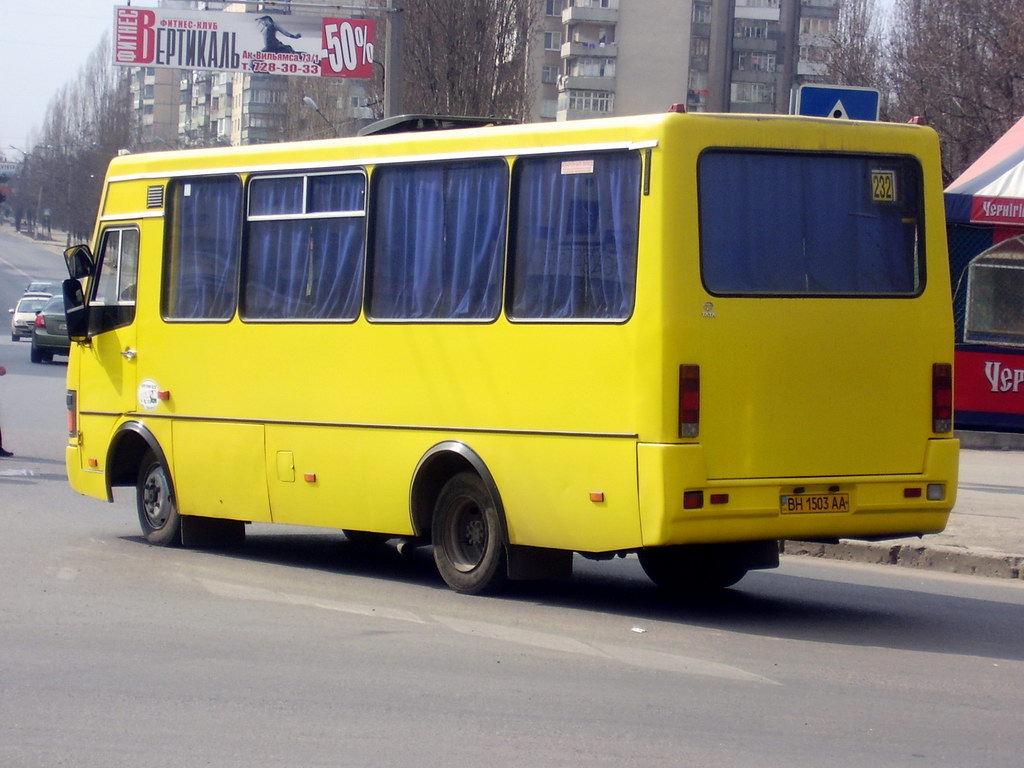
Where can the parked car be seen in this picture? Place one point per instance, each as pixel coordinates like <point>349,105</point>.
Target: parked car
<point>49,287</point>
<point>50,332</point>
<point>23,314</point>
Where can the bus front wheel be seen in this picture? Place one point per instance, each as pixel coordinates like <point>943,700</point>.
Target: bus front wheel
<point>158,511</point>
<point>467,536</point>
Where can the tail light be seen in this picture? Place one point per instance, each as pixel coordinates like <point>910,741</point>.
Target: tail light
<point>689,400</point>
<point>72,404</point>
<point>40,321</point>
<point>942,397</point>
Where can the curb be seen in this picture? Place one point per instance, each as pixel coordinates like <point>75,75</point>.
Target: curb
<point>945,559</point>
<point>991,441</point>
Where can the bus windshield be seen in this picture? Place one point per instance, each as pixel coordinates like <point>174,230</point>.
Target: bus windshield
<point>804,224</point>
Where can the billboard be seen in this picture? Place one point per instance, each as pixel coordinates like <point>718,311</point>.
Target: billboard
<point>243,42</point>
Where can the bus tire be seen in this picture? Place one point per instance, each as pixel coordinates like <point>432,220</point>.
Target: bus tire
<point>467,537</point>
<point>158,510</point>
<point>691,569</point>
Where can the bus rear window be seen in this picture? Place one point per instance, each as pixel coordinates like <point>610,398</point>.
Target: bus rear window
<point>810,224</point>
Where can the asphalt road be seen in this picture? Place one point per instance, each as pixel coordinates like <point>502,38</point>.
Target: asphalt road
<point>302,649</point>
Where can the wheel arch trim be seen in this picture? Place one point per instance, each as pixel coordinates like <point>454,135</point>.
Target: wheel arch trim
<point>440,463</point>
<point>119,464</point>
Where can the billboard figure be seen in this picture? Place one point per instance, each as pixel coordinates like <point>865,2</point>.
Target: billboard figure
<point>269,29</point>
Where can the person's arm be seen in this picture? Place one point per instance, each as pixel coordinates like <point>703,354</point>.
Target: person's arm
<point>285,32</point>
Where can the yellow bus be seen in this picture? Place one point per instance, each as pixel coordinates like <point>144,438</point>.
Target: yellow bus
<point>685,336</point>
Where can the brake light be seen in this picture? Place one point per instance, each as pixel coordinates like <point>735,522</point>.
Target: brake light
<point>693,499</point>
<point>942,397</point>
<point>689,400</point>
<point>72,404</point>
<point>40,321</point>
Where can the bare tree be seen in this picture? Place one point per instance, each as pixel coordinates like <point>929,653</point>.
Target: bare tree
<point>960,65</point>
<point>332,97</point>
<point>856,53</point>
<point>86,123</point>
<point>468,57</point>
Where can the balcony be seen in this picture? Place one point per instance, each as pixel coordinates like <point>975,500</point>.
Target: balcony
<point>580,48</point>
<point>591,12</point>
<point>578,114</point>
<point>578,105</point>
<point>586,83</point>
<point>811,68</point>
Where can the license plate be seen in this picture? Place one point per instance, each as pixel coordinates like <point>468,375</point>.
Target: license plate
<point>814,502</point>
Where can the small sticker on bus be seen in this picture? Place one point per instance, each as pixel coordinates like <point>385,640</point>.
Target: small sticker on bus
<point>149,397</point>
<point>883,186</point>
<point>570,167</point>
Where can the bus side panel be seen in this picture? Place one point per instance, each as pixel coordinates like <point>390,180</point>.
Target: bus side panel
<point>219,470</point>
<point>360,479</point>
<point>573,493</point>
<point>339,477</point>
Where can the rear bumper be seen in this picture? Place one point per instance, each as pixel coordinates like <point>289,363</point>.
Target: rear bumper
<point>878,506</point>
<point>51,343</point>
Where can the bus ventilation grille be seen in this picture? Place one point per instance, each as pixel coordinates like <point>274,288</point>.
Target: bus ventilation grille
<point>155,197</point>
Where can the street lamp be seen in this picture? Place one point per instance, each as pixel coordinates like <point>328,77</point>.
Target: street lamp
<point>309,102</point>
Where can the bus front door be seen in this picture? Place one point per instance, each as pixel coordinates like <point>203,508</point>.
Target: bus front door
<point>106,377</point>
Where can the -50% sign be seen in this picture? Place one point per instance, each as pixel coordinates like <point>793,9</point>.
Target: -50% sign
<point>348,48</point>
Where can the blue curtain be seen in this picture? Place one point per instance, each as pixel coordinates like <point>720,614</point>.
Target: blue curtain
<point>204,261</point>
<point>309,267</point>
<point>439,239</point>
<point>807,224</point>
<point>575,247</point>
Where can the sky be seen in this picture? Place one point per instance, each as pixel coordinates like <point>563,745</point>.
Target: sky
<point>43,44</point>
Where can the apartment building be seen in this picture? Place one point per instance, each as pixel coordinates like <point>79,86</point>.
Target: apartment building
<point>154,102</point>
<point>620,57</point>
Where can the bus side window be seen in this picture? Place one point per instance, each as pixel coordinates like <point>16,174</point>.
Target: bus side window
<point>116,277</point>
<point>201,267</point>
<point>575,231</point>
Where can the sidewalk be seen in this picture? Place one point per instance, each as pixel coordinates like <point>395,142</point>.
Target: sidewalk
<point>56,242</point>
<point>985,534</point>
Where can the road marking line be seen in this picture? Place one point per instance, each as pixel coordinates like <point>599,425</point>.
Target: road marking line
<point>633,655</point>
<point>242,592</point>
<point>546,640</point>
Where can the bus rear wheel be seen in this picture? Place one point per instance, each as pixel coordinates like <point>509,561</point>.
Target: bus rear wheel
<point>469,550</point>
<point>693,568</point>
<point>158,511</point>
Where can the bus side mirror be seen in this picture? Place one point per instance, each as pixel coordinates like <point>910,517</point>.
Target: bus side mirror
<point>79,261</point>
<point>75,310</point>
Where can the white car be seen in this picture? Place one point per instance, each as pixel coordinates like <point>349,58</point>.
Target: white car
<point>23,315</point>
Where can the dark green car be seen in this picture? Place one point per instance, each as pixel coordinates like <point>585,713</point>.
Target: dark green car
<point>50,333</point>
